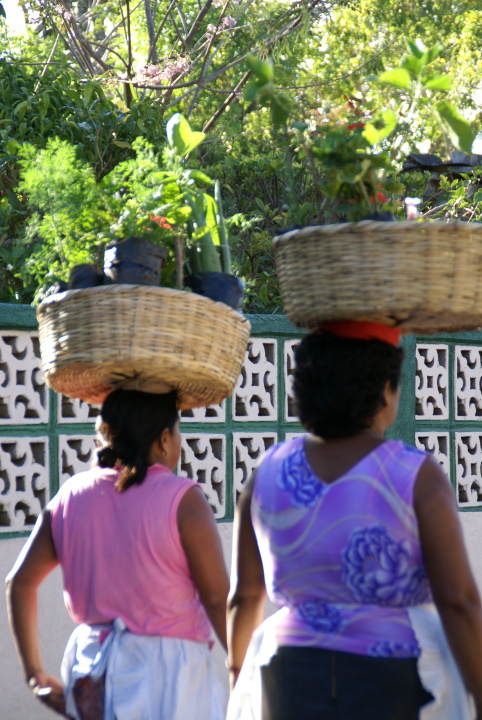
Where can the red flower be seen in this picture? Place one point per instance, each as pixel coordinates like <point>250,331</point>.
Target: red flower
<point>353,126</point>
<point>380,197</point>
<point>161,221</point>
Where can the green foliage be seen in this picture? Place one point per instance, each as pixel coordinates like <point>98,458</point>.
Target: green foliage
<point>61,193</point>
<point>57,104</point>
<point>326,58</point>
<point>352,163</point>
<point>72,215</point>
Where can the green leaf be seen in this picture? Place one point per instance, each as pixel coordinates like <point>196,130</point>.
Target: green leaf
<point>88,90</point>
<point>261,68</point>
<point>13,199</point>
<point>199,233</point>
<point>301,126</point>
<point>211,219</point>
<point>280,109</point>
<point>122,144</point>
<point>414,49</point>
<point>250,91</point>
<point>45,101</point>
<point>457,127</point>
<point>12,146</point>
<point>413,65</point>
<point>439,82</point>
<point>21,107</point>
<point>478,196</point>
<point>431,54</point>
<point>180,136</point>
<point>399,78</point>
<point>179,216</point>
<point>164,177</point>
<point>199,176</point>
<point>380,127</point>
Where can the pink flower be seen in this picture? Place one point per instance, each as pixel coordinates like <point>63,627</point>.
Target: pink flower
<point>149,74</point>
<point>175,67</point>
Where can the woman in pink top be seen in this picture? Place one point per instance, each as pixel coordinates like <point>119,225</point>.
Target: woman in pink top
<point>143,573</point>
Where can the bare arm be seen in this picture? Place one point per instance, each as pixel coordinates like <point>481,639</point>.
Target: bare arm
<point>248,593</point>
<point>202,545</point>
<point>453,586</point>
<point>35,562</point>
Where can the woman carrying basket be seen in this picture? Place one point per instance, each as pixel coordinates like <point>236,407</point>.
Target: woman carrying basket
<point>357,540</point>
<point>143,572</point>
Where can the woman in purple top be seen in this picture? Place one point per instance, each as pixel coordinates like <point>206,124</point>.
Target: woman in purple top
<point>357,540</point>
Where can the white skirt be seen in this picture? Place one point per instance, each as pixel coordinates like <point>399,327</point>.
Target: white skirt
<point>146,677</point>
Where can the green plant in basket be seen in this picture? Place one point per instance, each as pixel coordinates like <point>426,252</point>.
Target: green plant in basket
<point>161,197</point>
<point>354,156</point>
<point>195,216</point>
<point>201,212</point>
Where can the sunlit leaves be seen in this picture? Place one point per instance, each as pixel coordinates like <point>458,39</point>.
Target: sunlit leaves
<point>456,126</point>
<point>181,137</point>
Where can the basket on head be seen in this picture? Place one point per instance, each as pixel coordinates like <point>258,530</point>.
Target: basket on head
<point>139,337</point>
<point>424,276</point>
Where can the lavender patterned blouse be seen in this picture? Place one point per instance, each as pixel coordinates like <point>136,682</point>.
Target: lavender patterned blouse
<point>342,559</point>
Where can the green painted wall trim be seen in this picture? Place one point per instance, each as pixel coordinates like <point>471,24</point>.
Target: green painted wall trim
<point>276,324</point>
<point>18,317</point>
<point>24,317</point>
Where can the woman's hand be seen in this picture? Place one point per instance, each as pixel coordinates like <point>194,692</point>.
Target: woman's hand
<point>49,691</point>
<point>35,562</point>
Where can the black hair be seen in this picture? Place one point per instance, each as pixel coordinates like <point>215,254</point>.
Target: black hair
<point>130,422</point>
<point>339,382</point>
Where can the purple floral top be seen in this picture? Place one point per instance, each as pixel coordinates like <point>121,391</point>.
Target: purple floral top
<point>343,559</point>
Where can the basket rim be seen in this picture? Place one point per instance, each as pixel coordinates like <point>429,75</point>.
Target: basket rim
<point>84,370</point>
<point>118,288</point>
<point>362,227</point>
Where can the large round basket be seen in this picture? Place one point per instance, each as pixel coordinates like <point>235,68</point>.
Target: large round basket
<point>138,337</point>
<point>425,277</point>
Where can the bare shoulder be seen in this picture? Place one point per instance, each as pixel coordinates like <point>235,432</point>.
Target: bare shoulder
<point>194,507</point>
<point>432,485</point>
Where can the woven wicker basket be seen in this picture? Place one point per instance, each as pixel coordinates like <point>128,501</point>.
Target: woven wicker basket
<point>138,337</point>
<point>425,277</point>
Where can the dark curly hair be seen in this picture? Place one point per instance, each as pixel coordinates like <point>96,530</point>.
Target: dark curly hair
<point>339,382</point>
<point>130,421</point>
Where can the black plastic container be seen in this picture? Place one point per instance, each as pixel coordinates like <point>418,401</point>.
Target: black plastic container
<point>222,287</point>
<point>134,261</point>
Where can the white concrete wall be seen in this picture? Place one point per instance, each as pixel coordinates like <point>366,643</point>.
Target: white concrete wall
<point>18,703</point>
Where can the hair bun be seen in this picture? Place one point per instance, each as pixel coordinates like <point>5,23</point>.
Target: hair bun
<point>106,457</point>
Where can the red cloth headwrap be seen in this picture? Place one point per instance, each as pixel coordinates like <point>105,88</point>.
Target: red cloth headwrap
<point>363,330</point>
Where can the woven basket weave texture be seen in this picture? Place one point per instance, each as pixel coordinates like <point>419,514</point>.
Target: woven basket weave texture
<point>425,277</point>
<point>138,337</point>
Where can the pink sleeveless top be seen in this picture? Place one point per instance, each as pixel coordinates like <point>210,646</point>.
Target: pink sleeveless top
<point>122,557</point>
